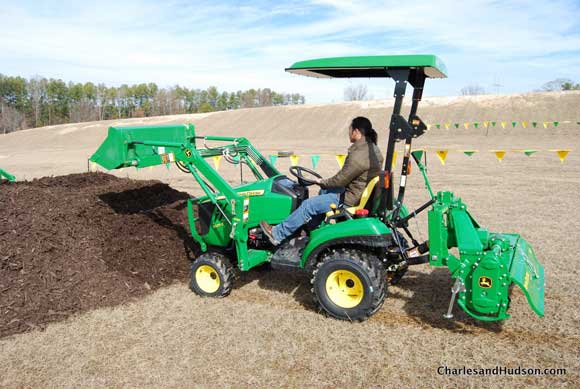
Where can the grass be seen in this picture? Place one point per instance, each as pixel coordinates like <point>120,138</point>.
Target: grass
<point>267,334</point>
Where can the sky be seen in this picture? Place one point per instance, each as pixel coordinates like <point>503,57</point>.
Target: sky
<point>502,46</point>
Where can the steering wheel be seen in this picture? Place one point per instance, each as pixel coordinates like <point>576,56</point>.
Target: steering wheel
<point>296,171</point>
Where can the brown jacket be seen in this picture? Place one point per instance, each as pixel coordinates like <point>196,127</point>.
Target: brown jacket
<point>363,162</point>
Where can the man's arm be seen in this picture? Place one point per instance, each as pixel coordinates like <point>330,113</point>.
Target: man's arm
<point>350,170</point>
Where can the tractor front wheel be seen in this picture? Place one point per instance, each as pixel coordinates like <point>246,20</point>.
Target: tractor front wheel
<point>212,275</point>
<point>349,284</point>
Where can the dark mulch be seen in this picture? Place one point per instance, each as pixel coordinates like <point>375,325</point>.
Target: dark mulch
<point>73,243</point>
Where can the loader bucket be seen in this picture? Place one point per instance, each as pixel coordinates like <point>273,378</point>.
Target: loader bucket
<point>133,146</point>
<point>5,175</point>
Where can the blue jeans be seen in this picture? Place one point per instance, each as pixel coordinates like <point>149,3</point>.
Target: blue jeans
<point>305,212</point>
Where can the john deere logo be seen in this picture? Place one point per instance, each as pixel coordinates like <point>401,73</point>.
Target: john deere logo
<point>188,153</point>
<point>485,282</point>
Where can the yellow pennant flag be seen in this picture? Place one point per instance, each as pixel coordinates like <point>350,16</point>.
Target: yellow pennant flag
<point>429,127</point>
<point>499,154</point>
<point>294,160</point>
<point>486,123</point>
<point>447,125</point>
<point>93,166</point>
<point>340,158</point>
<point>216,161</point>
<point>394,160</point>
<point>503,125</point>
<point>562,154</point>
<point>442,155</point>
<point>524,124</point>
<point>466,125</point>
<point>546,124</point>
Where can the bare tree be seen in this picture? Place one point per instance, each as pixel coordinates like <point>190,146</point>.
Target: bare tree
<point>472,90</point>
<point>555,85</point>
<point>35,87</point>
<point>10,119</point>
<point>355,92</point>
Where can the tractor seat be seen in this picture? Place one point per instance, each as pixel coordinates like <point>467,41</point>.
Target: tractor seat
<point>364,199</point>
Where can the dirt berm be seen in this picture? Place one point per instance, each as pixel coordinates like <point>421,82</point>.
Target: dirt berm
<point>73,243</point>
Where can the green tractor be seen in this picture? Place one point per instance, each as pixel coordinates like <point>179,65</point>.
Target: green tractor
<point>355,252</point>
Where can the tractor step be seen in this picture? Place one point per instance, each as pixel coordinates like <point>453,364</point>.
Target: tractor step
<point>289,254</point>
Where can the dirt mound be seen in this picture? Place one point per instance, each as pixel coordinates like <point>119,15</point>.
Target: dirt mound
<point>73,243</point>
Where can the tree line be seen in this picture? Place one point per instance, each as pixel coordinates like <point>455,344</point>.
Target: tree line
<point>37,102</point>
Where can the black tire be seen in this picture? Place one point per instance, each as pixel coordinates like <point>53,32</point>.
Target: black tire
<point>369,277</point>
<point>212,275</point>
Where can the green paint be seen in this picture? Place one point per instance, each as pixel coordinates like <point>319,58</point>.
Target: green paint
<point>488,263</point>
<point>370,227</point>
<point>367,66</point>
<point>192,228</point>
<point>419,155</point>
<point>5,175</point>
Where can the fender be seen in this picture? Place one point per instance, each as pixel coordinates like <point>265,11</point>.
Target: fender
<point>361,232</point>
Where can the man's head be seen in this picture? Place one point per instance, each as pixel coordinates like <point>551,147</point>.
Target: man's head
<point>362,127</point>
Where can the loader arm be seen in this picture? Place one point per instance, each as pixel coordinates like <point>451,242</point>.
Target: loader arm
<point>146,146</point>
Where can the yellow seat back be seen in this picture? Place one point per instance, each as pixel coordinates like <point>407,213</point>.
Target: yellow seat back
<point>366,195</point>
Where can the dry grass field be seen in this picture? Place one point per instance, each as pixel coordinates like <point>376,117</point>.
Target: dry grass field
<point>266,333</point>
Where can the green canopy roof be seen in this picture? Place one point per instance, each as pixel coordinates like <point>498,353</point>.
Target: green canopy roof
<point>369,66</point>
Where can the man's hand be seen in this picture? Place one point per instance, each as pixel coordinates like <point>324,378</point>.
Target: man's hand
<point>317,180</point>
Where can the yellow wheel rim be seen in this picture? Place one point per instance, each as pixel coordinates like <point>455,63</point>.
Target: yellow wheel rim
<point>344,288</point>
<point>207,279</point>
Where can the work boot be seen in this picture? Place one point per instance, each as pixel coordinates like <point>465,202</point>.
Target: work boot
<point>268,231</point>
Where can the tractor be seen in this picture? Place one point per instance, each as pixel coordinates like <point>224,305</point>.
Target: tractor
<point>355,252</point>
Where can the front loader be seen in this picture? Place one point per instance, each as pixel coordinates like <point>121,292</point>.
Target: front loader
<point>353,252</point>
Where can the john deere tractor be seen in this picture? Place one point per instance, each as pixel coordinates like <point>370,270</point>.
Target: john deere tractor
<point>354,252</point>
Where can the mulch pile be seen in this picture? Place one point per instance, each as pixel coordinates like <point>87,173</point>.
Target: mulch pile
<point>73,243</point>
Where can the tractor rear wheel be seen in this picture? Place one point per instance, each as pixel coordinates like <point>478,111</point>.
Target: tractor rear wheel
<point>212,275</point>
<point>349,284</point>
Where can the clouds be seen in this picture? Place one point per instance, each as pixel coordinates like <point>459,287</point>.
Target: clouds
<point>236,46</point>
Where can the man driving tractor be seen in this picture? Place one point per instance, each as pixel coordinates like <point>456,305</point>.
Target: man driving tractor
<point>362,164</point>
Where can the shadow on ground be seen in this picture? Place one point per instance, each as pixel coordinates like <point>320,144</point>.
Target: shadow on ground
<point>429,301</point>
